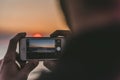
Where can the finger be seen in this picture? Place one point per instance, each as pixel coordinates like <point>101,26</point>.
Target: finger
<point>1,62</point>
<point>11,52</point>
<point>50,64</point>
<point>21,63</point>
<point>27,69</point>
<point>64,33</point>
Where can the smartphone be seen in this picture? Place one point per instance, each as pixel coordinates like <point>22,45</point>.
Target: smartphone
<point>41,48</point>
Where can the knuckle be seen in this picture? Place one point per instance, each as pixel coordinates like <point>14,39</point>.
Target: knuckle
<point>7,60</point>
<point>32,66</point>
<point>12,40</point>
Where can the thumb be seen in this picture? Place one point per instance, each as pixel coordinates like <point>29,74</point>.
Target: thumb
<point>23,74</point>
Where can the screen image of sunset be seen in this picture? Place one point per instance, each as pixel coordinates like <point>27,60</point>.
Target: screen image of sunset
<point>41,46</point>
<point>30,16</point>
<point>46,43</point>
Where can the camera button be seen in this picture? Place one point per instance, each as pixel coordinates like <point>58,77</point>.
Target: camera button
<point>58,48</point>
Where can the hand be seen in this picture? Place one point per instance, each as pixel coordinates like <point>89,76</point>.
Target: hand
<point>9,70</point>
<point>50,64</point>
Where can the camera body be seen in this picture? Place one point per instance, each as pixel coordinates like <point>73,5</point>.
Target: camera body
<point>41,48</point>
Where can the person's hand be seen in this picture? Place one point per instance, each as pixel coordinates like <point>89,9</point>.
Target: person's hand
<point>50,64</point>
<point>9,70</point>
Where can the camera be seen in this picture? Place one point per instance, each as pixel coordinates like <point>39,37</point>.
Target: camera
<point>41,48</point>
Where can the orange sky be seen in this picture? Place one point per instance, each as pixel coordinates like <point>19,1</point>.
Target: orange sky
<point>30,16</point>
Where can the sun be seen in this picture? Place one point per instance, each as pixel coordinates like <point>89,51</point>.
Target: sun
<point>37,35</point>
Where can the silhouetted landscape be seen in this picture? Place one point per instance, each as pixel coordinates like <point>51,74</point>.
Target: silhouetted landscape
<point>41,49</point>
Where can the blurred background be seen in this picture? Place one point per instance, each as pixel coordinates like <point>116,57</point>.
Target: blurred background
<point>31,16</point>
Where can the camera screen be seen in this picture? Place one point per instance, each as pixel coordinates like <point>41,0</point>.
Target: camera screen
<point>41,46</point>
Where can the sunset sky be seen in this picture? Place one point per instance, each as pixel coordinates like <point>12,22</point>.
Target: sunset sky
<point>31,16</point>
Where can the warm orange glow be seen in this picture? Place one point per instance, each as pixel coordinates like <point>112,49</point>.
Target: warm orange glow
<point>37,35</point>
<point>31,16</point>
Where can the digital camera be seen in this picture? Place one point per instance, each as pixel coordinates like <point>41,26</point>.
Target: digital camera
<point>41,48</point>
